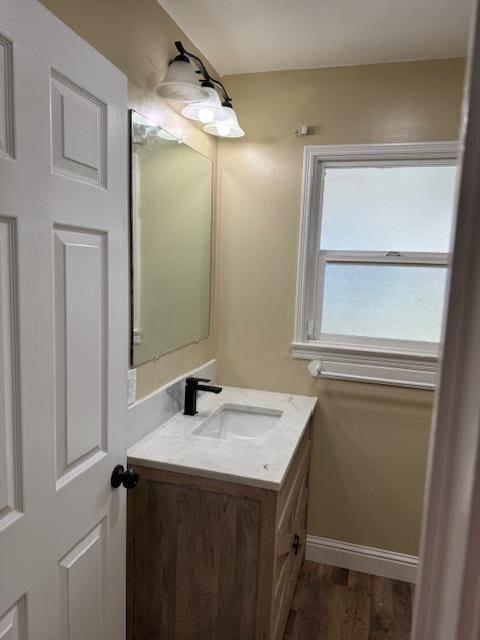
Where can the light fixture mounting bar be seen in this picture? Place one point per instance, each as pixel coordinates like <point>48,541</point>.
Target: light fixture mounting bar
<point>208,80</point>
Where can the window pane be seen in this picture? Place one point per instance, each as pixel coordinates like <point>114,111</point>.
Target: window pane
<point>398,208</point>
<point>384,301</point>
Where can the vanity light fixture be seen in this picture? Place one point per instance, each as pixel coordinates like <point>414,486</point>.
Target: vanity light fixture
<point>227,126</point>
<point>214,109</point>
<point>181,83</point>
<point>208,110</point>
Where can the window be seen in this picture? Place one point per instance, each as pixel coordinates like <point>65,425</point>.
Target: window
<point>374,245</point>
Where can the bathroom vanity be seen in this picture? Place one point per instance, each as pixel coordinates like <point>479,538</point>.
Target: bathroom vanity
<point>216,525</point>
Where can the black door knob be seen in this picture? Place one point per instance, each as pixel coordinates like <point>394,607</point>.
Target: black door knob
<point>128,478</point>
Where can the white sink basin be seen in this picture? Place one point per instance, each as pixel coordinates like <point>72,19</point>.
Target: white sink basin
<point>233,422</point>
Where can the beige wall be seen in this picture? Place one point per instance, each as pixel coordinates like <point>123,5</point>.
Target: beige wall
<point>369,441</point>
<point>138,37</point>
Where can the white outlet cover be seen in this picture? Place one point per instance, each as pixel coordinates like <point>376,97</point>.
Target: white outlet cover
<point>131,386</point>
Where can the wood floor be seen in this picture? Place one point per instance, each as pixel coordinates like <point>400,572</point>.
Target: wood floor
<point>337,604</point>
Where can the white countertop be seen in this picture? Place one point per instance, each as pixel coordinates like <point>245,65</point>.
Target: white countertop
<point>260,462</point>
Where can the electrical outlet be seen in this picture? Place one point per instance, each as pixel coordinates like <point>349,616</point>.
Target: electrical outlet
<point>131,386</point>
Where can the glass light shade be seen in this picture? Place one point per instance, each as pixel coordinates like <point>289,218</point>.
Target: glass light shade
<point>227,127</point>
<point>209,110</point>
<point>181,84</point>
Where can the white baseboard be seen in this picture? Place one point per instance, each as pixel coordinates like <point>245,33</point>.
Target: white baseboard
<point>379,562</point>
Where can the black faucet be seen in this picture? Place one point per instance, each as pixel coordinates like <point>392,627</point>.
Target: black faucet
<point>192,386</point>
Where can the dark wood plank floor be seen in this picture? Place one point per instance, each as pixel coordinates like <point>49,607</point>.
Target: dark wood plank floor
<point>337,604</point>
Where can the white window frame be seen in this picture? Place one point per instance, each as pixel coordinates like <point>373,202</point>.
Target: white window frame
<point>403,363</point>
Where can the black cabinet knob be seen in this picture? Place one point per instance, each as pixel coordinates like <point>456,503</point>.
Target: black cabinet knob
<point>129,478</point>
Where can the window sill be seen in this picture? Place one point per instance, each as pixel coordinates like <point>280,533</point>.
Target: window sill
<point>379,366</point>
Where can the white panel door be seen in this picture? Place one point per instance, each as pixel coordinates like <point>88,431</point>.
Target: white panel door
<point>63,331</point>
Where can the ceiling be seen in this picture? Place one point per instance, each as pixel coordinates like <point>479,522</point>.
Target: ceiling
<point>245,36</point>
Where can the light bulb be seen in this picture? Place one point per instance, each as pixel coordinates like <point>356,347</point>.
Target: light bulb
<point>223,128</point>
<point>206,115</point>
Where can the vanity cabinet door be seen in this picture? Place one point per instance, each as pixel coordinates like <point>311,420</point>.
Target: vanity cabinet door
<point>194,557</point>
<point>290,537</point>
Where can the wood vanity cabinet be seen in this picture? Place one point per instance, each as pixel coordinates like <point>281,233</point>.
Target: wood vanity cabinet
<point>214,560</point>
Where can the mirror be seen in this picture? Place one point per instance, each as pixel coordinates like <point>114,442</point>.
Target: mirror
<point>171,219</point>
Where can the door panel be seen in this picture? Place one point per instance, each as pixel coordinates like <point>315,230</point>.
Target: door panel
<point>78,132</point>
<point>6,99</point>
<point>63,291</point>
<point>80,356</point>
<point>12,625</point>
<point>82,583</point>
<point>10,453</point>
